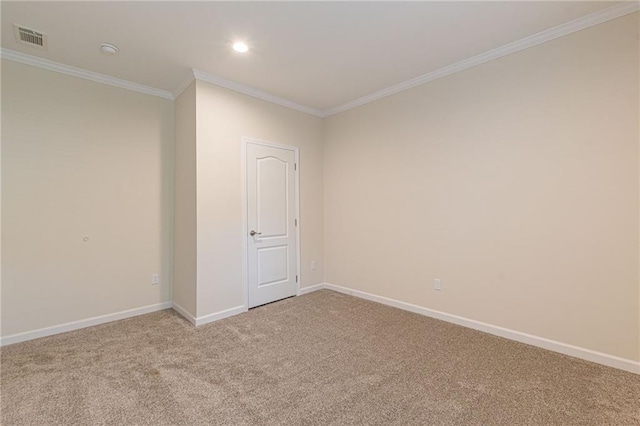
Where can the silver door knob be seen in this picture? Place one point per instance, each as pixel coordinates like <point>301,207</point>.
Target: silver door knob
<point>252,233</point>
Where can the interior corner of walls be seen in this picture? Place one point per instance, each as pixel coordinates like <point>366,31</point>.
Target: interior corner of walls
<point>184,313</point>
<point>184,85</point>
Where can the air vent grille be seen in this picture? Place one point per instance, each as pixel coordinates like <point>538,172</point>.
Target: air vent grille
<point>31,37</point>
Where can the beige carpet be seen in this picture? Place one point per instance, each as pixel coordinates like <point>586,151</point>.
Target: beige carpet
<point>323,358</point>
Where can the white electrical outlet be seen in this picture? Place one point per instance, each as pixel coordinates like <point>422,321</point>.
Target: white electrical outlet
<point>313,265</point>
<point>155,279</point>
<point>437,284</point>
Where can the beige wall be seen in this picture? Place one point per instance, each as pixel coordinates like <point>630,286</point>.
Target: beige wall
<point>184,276</point>
<point>81,158</point>
<point>223,118</point>
<point>515,182</point>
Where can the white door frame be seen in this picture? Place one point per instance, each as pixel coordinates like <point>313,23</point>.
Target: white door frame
<point>245,213</point>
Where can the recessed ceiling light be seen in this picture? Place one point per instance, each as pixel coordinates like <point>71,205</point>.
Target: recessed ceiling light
<point>109,49</point>
<point>240,47</point>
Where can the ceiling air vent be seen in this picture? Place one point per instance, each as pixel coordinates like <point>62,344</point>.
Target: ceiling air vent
<point>31,37</point>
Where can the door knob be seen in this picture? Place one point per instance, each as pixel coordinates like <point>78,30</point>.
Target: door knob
<point>252,233</point>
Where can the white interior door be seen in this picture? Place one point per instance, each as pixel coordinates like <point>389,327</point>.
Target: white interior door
<point>271,224</point>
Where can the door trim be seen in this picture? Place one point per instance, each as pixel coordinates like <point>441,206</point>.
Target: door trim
<point>245,214</point>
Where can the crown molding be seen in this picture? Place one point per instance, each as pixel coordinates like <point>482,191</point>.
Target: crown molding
<point>507,49</point>
<point>23,58</point>
<point>250,91</point>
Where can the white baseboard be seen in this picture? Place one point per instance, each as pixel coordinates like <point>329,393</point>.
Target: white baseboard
<point>541,342</point>
<point>219,315</point>
<point>310,289</point>
<point>102,319</point>
<point>75,325</point>
<point>184,313</point>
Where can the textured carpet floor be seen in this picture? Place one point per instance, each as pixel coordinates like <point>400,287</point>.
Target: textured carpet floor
<point>323,358</point>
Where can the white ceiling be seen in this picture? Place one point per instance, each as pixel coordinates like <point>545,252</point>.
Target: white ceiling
<point>321,55</point>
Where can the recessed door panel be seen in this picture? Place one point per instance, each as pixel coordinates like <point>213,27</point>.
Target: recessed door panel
<point>272,197</point>
<point>273,265</point>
